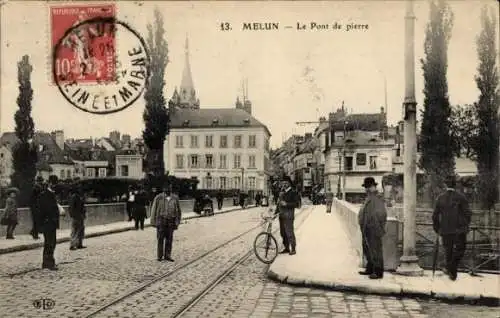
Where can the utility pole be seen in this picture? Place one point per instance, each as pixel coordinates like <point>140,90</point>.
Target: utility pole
<point>409,261</point>
<point>344,162</point>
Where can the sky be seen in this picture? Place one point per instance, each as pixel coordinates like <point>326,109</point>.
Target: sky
<point>293,75</point>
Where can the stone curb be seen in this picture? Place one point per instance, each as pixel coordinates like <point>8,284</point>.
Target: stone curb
<point>38,244</point>
<point>386,290</point>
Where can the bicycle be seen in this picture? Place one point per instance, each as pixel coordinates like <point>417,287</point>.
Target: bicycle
<point>266,241</point>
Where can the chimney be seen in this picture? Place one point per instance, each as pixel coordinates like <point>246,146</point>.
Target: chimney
<point>58,137</point>
<point>247,106</point>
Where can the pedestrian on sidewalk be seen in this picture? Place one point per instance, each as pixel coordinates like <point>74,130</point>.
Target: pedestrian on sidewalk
<point>130,202</point>
<point>289,200</point>
<point>166,217</point>
<point>220,199</point>
<point>329,200</point>
<point>372,219</point>
<point>34,209</point>
<point>10,213</point>
<point>49,223</point>
<point>77,213</point>
<point>451,220</point>
<point>139,209</point>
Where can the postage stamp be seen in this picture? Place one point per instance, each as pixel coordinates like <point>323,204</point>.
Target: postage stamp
<point>122,69</point>
<point>84,54</point>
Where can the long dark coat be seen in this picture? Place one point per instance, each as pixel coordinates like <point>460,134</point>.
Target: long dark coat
<point>49,211</point>
<point>373,216</point>
<point>452,214</point>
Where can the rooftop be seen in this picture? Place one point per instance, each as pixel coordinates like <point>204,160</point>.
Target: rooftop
<point>213,117</point>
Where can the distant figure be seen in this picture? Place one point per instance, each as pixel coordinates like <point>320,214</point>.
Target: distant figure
<point>289,200</point>
<point>139,208</point>
<point>49,223</point>
<point>130,202</point>
<point>34,209</point>
<point>372,218</point>
<point>207,203</point>
<point>166,216</point>
<point>77,213</point>
<point>451,219</point>
<point>329,200</point>
<point>220,199</point>
<point>258,199</point>
<point>10,214</point>
<point>243,197</point>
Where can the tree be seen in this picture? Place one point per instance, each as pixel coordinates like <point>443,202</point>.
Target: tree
<point>464,129</point>
<point>436,141</point>
<point>24,155</point>
<point>155,115</point>
<point>487,105</point>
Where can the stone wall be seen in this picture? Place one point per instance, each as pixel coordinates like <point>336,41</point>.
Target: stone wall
<point>97,214</point>
<point>349,214</point>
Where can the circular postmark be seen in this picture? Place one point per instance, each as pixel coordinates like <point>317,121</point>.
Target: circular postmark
<point>95,72</point>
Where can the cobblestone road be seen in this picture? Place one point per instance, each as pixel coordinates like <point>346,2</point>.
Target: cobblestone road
<point>247,293</point>
<point>109,267</point>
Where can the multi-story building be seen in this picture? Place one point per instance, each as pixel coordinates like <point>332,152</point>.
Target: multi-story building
<point>221,147</point>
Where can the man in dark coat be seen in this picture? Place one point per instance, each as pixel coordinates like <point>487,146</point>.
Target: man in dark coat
<point>49,223</point>
<point>289,200</point>
<point>130,202</point>
<point>372,219</point>
<point>220,199</point>
<point>35,210</point>
<point>451,219</point>
<point>139,208</point>
<point>77,214</point>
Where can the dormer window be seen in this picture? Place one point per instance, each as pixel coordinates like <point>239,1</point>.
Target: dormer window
<point>246,121</point>
<point>373,139</point>
<point>186,122</point>
<point>215,121</point>
<point>349,141</point>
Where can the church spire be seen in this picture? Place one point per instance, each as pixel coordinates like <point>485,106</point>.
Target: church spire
<point>187,92</point>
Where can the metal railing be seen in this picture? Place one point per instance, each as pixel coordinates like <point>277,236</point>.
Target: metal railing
<point>482,254</point>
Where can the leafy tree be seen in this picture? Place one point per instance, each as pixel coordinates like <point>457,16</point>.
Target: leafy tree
<point>155,114</point>
<point>487,146</point>
<point>24,156</point>
<point>436,141</point>
<point>464,129</point>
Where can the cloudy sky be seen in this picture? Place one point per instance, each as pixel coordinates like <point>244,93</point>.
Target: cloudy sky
<point>292,75</point>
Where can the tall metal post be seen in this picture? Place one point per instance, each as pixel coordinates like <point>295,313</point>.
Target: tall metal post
<point>344,162</point>
<point>409,261</point>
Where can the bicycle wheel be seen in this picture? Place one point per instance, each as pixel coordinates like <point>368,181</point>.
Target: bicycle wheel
<point>265,247</point>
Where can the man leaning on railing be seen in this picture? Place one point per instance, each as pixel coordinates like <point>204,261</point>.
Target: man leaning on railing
<point>451,220</point>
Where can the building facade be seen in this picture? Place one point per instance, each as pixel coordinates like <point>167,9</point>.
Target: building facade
<point>129,165</point>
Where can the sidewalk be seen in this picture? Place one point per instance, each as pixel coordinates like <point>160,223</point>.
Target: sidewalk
<point>26,242</point>
<point>325,259</point>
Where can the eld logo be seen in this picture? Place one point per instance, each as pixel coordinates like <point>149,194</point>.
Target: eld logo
<point>44,303</point>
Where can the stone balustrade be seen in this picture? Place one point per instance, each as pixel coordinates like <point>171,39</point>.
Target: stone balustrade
<point>349,214</point>
<point>97,214</point>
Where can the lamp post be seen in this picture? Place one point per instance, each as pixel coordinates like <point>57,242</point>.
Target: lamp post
<point>409,261</point>
<point>343,160</point>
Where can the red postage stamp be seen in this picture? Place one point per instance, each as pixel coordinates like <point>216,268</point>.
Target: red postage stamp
<point>86,53</point>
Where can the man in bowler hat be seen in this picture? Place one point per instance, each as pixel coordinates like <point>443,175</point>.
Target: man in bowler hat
<point>372,218</point>
<point>287,203</point>
<point>451,219</point>
<point>49,223</point>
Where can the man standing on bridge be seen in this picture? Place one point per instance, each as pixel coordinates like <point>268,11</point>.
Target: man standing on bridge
<point>166,216</point>
<point>451,220</point>
<point>372,218</point>
<point>49,223</point>
<point>288,201</point>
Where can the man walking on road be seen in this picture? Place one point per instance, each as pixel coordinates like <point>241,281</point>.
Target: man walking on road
<point>288,201</point>
<point>220,199</point>
<point>166,216</point>
<point>451,219</point>
<point>49,223</point>
<point>372,218</point>
<point>77,214</point>
<point>329,200</point>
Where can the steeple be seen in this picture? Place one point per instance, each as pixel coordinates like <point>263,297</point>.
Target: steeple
<point>187,94</point>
